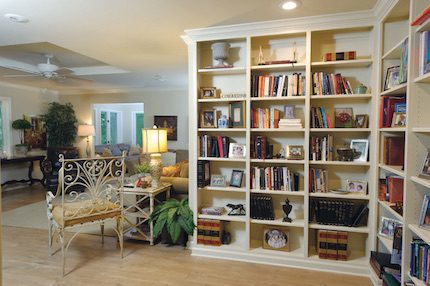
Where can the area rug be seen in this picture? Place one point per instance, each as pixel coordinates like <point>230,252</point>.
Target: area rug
<point>34,216</point>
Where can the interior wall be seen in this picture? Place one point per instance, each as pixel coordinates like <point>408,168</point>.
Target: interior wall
<point>156,102</point>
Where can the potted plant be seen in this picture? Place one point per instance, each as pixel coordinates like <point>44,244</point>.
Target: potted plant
<point>21,125</point>
<point>174,219</point>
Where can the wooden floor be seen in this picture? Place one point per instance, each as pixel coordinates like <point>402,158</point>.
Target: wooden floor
<point>26,262</point>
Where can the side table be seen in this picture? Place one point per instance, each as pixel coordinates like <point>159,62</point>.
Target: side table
<point>136,215</point>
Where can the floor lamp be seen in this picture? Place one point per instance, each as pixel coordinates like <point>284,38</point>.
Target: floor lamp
<point>154,142</point>
<point>87,131</point>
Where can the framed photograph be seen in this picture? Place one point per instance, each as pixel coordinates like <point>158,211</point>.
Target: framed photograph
<point>425,213</point>
<point>276,238</point>
<point>208,92</point>
<point>362,146</point>
<point>399,119</point>
<point>35,137</point>
<point>425,170</point>
<point>361,121</point>
<point>236,150</point>
<point>391,77</point>
<point>388,226</point>
<point>208,118</point>
<point>236,178</point>
<point>295,152</point>
<point>400,107</point>
<point>237,114</point>
<point>356,186</point>
<point>218,181</point>
<point>289,111</point>
<point>169,122</point>
<point>343,118</point>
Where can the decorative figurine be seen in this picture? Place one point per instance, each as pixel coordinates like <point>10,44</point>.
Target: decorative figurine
<point>347,154</point>
<point>287,208</point>
<point>238,209</point>
<point>226,237</point>
<point>223,121</point>
<point>220,54</point>
<point>260,56</point>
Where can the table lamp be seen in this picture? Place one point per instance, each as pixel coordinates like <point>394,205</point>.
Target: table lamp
<point>154,142</point>
<point>86,130</point>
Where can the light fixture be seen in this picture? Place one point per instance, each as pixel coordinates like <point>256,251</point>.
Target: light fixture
<point>290,4</point>
<point>86,130</point>
<point>16,18</point>
<point>154,142</point>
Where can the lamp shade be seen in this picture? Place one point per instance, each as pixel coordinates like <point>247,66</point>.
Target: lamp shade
<point>86,130</point>
<point>154,140</point>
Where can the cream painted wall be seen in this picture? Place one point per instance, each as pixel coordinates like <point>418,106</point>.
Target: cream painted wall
<point>156,103</point>
<point>24,101</point>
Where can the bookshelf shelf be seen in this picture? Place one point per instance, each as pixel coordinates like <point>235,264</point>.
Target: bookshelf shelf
<point>340,163</point>
<point>224,189</point>
<point>348,63</point>
<point>386,242</point>
<point>281,98</point>
<point>277,130</point>
<point>400,89</point>
<point>416,281</point>
<point>224,217</point>
<point>278,161</point>
<point>423,27</point>
<point>342,96</point>
<point>340,130</point>
<point>348,196</point>
<point>220,99</point>
<point>223,71</point>
<point>421,181</point>
<point>279,222</point>
<point>354,258</point>
<point>425,78</point>
<point>280,67</point>
<point>395,52</point>
<point>287,193</point>
<point>361,229</point>
<point>386,206</point>
<point>424,234</point>
<point>223,159</point>
<point>421,129</point>
<point>397,170</point>
<point>393,129</point>
<point>221,129</point>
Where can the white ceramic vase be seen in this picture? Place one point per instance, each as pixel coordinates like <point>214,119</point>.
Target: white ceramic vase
<point>220,53</point>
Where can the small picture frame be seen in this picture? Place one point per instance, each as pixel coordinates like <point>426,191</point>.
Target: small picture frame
<point>425,169</point>
<point>392,77</point>
<point>295,152</point>
<point>237,114</point>
<point>361,121</point>
<point>236,150</point>
<point>236,178</point>
<point>218,181</point>
<point>356,186</point>
<point>289,112</point>
<point>276,238</point>
<point>362,146</point>
<point>425,213</point>
<point>388,226</point>
<point>343,117</point>
<point>208,92</point>
<point>208,118</point>
<point>399,119</point>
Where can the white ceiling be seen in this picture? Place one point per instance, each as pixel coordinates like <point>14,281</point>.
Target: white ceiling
<point>139,36</point>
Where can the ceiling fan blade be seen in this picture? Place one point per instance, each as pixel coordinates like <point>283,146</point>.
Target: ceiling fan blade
<point>22,70</point>
<point>64,71</point>
<point>21,75</point>
<point>76,78</point>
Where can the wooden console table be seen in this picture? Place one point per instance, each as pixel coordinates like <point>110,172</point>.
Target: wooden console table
<point>26,159</point>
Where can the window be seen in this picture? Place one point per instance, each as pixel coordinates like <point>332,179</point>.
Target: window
<point>109,122</point>
<point>138,123</point>
<point>5,118</point>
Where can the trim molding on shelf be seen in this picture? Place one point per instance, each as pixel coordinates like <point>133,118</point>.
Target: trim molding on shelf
<point>287,193</point>
<point>360,229</point>
<point>279,222</point>
<point>395,52</point>
<point>278,98</point>
<point>289,67</point>
<point>277,161</point>
<point>277,129</point>
<point>346,63</point>
<point>424,234</point>
<point>388,243</point>
<point>340,130</point>
<point>386,206</point>
<point>349,196</point>
<point>222,159</point>
<point>221,129</point>
<point>421,129</point>
<point>224,189</point>
<point>425,78</point>
<point>343,96</point>
<point>421,181</point>
<point>393,169</point>
<point>393,129</point>
<point>224,217</point>
<point>220,99</point>
<point>340,163</point>
<point>400,89</point>
<point>223,71</point>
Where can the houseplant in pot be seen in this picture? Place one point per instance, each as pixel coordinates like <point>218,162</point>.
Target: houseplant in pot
<point>21,125</point>
<point>173,220</point>
<point>60,122</point>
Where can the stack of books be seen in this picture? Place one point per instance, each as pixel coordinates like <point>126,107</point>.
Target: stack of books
<point>214,146</point>
<point>260,148</point>
<point>389,105</point>
<point>262,208</point>
<point>212,210</point>
<point>278,85</point>
<point>274,179</point>
<point>340,56</point>
<point>340,212</point>
<point>209,232</point>
<point>318,181</point>
<point>319,118</point>
<point>329,84</point>
<point>420,258</point>
<point>333,245</point>
<point>322,148</point>
<point>381,264</point>
<point>290,123</point>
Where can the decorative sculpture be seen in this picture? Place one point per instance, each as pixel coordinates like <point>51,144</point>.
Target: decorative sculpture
<point>287,208</point>
<point>238,209</point>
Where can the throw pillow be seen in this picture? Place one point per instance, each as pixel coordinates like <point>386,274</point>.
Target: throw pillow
<point>106,153</point>
<point>171,171</point>
<point>184,169</point>
<point>168,158</point>
<point>115,150</point>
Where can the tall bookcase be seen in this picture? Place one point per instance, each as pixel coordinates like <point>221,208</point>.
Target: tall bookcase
<point>310,40</point>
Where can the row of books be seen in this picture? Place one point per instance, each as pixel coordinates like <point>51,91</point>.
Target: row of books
<point>262,207</point>
<point>391,189</point>
<point>320,119</point>
<point>318,181</point>
<point>271,118</point>
<point>209,232</point>
<point>420,260</point>
<point>274,179</point>
<point>424,55</point>
<point>329,83</point>
<point>278,85</point>
<point>203,173</point>
<point>340,56</point>
<point>322,148</point>
<point>393,152</point>
<point>214,146</point>
<point>339,212</point>
<point>333,245</point>
<point>382,266</point>
<point>261,148</point>
<point>389,105</point>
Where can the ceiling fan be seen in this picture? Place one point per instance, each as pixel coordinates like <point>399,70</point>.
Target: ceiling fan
<point>47,70</point>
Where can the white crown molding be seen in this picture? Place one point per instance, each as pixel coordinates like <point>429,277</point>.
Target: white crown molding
<point>382,7</point>
<point>123,90</point>
<point>295,25</point>
<point>27,87</point>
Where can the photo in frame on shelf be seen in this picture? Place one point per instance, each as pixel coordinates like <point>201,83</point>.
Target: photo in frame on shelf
<point>218,181</point>
<point>399,119</point>
<point>223,121</point>
<point>236,178</point>
<point>388,226</point>
<point>276,238</point>
<point>236,150</point>
<point>208,118</point>
<point>356,186</point>
<point>208,92</point>
<point>289,111</point>
<point>425,169</point>
<point>295,152</point>
<point>391,77</point>
<point>343,117</point>
<point>424,220</point>
<point>362,146</point>
<point>237,114</point>
<point>361,121</point>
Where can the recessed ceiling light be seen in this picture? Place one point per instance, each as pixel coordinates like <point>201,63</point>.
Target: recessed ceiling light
<point>16,18</point>
<point>290,4</point>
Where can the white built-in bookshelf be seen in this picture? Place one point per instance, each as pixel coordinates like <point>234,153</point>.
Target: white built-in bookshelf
<point>377,41</point>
